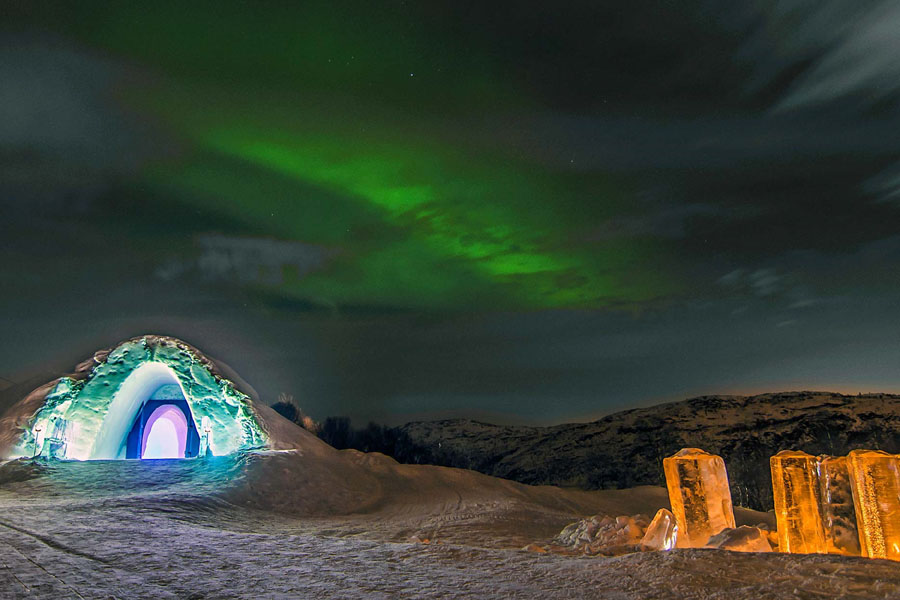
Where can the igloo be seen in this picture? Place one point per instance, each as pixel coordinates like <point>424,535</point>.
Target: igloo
<point>148,397</point>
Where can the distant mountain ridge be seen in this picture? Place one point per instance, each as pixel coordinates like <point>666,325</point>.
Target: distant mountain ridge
<point>626,448</point>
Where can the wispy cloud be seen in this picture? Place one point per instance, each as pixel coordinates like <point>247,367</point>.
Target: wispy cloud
<point>248,260</point>
<point>768,283</point>
<point>759,282</point>
<point>885,186</point>
<point>861,59</point>
<point>842,49</point>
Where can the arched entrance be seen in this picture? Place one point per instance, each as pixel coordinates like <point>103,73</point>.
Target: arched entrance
<point>165,433</point>
<point>163,427</point>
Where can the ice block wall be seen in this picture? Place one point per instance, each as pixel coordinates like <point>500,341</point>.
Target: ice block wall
<point>875,483</point>
<point>795,486</point>
<point>699,494</point>
<point>838,513</point>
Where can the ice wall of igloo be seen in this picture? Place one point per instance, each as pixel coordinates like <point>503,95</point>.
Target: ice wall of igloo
<point>92,417</point>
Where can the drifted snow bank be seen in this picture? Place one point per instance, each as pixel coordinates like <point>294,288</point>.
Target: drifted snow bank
<point>403,502</point>
<point>370,493</point>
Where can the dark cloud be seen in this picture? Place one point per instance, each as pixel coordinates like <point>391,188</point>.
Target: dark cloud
<point>668,222</point>
<point>740,159</point>
<point>58,102</point>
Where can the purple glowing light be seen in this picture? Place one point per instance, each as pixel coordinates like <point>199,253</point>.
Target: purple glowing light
<point>165,433</point>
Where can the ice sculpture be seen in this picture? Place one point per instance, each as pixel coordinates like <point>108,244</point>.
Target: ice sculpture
<point>838,514</point>
<point>875,482</point>
<point>699,494</point>
<point>205,438</point>
<point>795,485</point>
<point>662,532</point>
<point>53,445</point>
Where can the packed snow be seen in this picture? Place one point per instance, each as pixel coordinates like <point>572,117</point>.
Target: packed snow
<point>315,522</point>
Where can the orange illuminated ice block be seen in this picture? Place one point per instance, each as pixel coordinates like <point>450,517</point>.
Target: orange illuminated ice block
<point>699,494</point>
<point>838,514</point>
<point>795,486</point>
<point>875,481</point>
<point>662,532</point>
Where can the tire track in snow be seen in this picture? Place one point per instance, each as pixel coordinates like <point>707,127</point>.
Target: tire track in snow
<point>53,544</point>
<point>113,572</point>
<point>41,567</point>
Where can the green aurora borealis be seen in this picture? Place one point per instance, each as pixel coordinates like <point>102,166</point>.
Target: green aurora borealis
<point>303,125</point>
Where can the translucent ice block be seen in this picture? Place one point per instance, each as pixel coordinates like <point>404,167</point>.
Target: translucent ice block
<point>699,494</point>
<point>838,514</point>
<point>662,532</point>
<point>795,485</point>
<point>875,481</point>
<point>741,539</point>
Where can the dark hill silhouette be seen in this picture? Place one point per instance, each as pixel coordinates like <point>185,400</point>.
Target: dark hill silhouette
<point>626,449</point>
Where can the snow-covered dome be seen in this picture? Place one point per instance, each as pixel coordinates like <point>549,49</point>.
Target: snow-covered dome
<point>149,397</point>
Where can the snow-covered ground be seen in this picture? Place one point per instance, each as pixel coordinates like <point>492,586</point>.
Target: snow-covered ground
<point>277,526</point>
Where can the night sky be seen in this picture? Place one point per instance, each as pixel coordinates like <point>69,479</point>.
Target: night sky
<point>514,211</point>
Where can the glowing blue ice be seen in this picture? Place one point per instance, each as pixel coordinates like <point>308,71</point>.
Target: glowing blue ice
<point>91,418</point>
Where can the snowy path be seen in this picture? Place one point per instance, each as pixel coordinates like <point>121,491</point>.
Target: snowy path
<point>181,560</point>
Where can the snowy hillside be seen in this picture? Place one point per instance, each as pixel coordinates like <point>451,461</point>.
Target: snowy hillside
<point>626,449</point>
